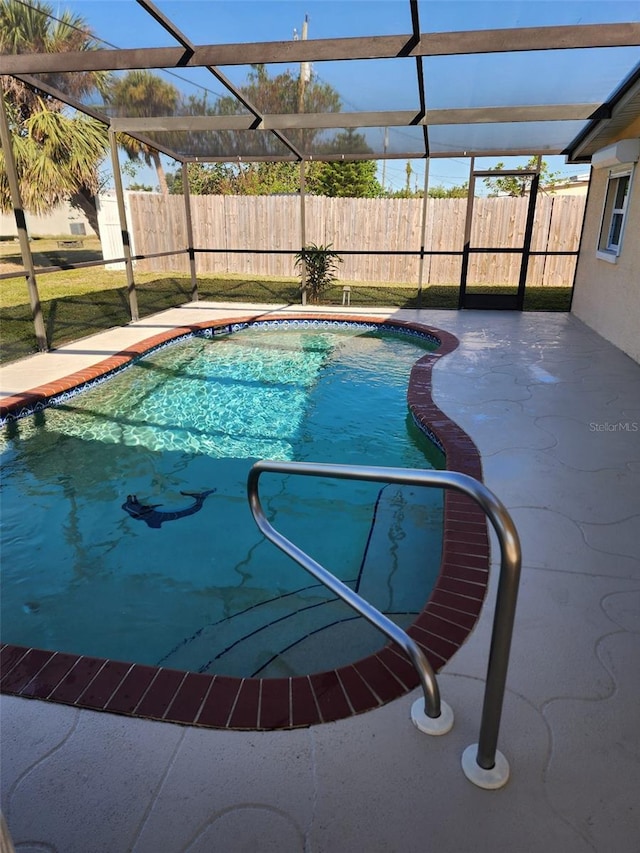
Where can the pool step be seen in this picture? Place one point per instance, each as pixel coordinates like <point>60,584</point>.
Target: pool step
<point>341,642</point>
<point>403,554</point>
<point>241,641</point>
<point>309,630</point>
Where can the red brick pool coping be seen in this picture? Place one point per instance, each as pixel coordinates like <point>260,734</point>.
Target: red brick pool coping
<point>217,701</point>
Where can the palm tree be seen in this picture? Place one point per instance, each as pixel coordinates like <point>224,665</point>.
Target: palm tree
<point>143,94</point>
<point>57,155</point>
<point>33,29</point>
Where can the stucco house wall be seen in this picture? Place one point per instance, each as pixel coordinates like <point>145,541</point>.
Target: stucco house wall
<point>57,222</point>
<point>577,186</point>
<point>607,295</point>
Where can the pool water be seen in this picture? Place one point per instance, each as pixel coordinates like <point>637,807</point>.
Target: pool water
<point>206,592</point>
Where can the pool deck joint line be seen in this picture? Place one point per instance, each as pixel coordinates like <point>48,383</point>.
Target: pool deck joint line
<point>216,701</point>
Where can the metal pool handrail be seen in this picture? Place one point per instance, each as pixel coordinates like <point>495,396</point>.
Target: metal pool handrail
<point>432,701</point>
<point>482,763</point>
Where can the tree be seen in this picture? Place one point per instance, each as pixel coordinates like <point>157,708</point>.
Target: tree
<point>57,156</point>
<point>281,94</point>
<point>203,179</point>
<point>278,95</point>
<point>516,185</point>
<point>140,188</point>
<point>346,178</point>
<point>405,193</point>
<point>32,29</point>
<point>142,94</point>
<point>130,169</point>
<point>354,178</point>
<point>238,179</point>
<point>460,191</point>
<point>269,178</point>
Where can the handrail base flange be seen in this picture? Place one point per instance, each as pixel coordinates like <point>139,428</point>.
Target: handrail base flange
<point>496,777</point>
<point>432,725</point>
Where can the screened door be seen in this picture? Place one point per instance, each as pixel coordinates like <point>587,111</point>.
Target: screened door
<point>497,242</point>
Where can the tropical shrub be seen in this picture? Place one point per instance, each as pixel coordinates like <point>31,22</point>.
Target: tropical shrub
<point>318,268</point>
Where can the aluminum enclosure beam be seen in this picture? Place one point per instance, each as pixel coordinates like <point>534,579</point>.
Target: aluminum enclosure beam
<point>324,50</point>
<point>378,155</point>
<point>397,118</point>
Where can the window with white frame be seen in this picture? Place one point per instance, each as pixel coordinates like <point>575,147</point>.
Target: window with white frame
<point>614,213</point>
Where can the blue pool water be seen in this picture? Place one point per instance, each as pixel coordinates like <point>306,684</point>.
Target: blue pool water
<point>205,592</point>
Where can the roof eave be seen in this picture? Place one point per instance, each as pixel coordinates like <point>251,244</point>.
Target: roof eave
<point>594,135</point>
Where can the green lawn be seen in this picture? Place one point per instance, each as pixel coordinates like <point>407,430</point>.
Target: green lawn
<point>78,303</point>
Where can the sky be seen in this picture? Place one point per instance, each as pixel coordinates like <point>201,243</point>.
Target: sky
<point>586,76</point>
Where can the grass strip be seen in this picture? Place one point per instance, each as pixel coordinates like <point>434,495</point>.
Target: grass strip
<point>79,306</point>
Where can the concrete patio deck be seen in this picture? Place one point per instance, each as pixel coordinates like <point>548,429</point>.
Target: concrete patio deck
<point>555,412</point>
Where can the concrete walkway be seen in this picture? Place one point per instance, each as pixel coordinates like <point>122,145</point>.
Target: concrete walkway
<point>555,412</point>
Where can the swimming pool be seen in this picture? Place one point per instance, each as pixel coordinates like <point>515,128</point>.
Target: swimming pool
<point>137,445</point>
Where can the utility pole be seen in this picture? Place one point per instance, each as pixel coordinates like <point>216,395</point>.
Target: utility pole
<point>305,67</point>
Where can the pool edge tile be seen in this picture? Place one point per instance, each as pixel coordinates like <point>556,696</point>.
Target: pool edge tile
<point>331,698</point>
<point>24,670</point>
<point>52,673</point>
<point>246,711</point>
<point>358,693</point>
<point>219,703</point>
<point>189,698</point>
<point>131,690</point>
<point>275,703</point>
<point>160,694</point>
<point>100,690</point>
<point>304,708</point>
<point>76,681</point>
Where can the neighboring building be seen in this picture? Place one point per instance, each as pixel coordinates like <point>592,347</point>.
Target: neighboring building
<point>577,185</point>
<point>607,284</point>
<point>63,219</point>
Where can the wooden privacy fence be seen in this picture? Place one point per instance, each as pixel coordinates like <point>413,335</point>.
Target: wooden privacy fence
<point>258,235</point>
